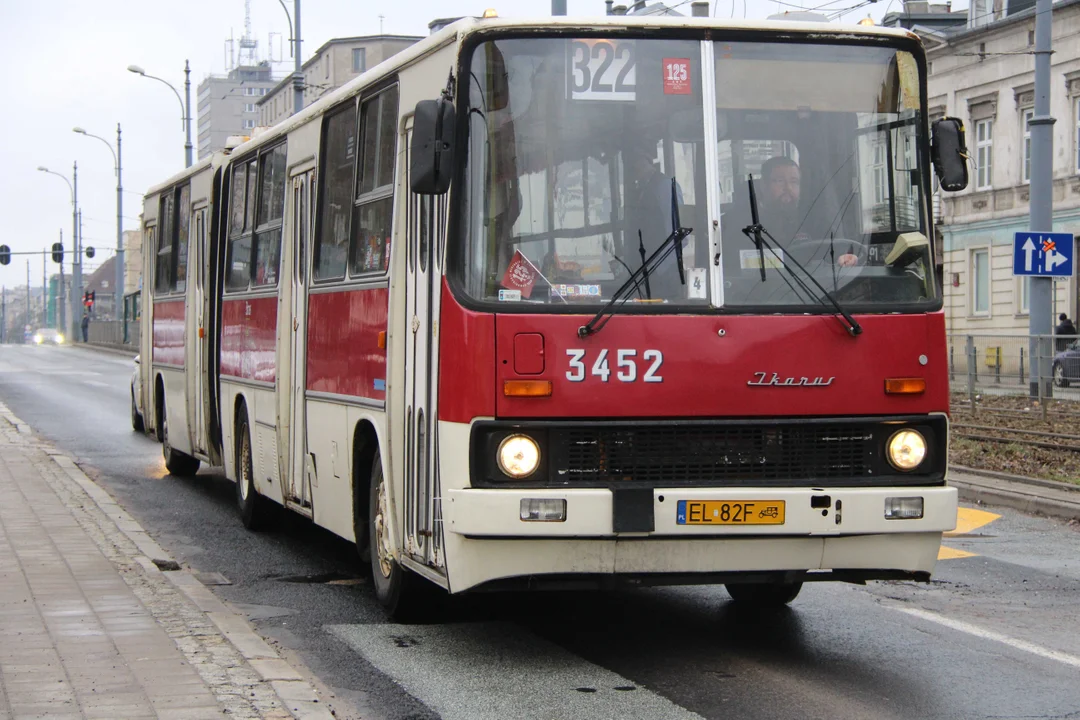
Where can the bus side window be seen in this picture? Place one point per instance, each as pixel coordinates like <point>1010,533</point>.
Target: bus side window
<point>239,249</point>
<point>370,252</point>
<point>269,216</point>
<point>330,253</point>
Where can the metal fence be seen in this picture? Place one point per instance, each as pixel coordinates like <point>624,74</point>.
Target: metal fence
<point>113,332</point>
<point>1002,364</point>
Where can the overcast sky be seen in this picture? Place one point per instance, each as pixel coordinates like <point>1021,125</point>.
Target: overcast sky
<point>67,63</point>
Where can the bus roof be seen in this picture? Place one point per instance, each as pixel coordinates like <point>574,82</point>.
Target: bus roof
<point>464,27</point>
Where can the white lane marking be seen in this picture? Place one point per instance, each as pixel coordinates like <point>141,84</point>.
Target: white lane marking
<point>494,671</point>
<point>96,383</point>
<point>960,626</point>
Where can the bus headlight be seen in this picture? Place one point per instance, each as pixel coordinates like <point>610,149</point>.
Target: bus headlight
<point>518,456</point>
<point>906,450</point>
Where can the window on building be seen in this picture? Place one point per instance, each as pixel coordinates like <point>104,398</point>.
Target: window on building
<point>262,91</point>
<point>250,90</point>
<point>250,107</point>
<point>980,282</point>
<point>359,60</point>
<point>375,183</point>
<point>984,153</point>
<point>1026,126</point>
<point>1076,134</point>
<point>249,124</point>
<point>331,251</point>
<point>1023,294</point>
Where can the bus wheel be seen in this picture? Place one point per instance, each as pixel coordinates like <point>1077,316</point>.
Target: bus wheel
<point>176,462</point>
<point>253,507</point>
<point>763,595</point>
<point>136,418</point>
<point>396,588</point>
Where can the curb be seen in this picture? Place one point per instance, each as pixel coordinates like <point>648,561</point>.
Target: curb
<point>297,695</point>
<point>1023,479</point>
<point>107,349</point>
<point>1016,495</point>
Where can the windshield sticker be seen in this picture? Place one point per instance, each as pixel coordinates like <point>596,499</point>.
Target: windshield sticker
<point>520,275</point>
<point>695,283</point>
<point>601,69</point>
<point>510,295</point>
<point>908,70</point>
<point>677,76</point>
<point>578,292</point>
<point>751,259</point>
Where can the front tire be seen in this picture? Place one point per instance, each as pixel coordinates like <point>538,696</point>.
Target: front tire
<point>763,595</point>
<point>253,507</point>
<point>176,462</point>
<point>1059,376</point>
<point>397,589</point>
<point>136,419</point>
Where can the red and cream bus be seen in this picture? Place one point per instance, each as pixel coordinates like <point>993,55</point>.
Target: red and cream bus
<point>572,302</point>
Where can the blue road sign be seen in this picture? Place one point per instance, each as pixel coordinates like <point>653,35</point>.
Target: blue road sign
<point>1043,254</point>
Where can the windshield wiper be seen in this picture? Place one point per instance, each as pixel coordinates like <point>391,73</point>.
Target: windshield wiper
<point>672,242</point>
<point>756,232</point>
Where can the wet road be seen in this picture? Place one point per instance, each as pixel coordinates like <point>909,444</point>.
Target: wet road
<point>995,635</point>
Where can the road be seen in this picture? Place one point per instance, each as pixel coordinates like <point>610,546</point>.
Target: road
<point>995,635</point>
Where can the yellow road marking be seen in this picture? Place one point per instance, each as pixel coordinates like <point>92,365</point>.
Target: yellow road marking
<point>967,520</point>
<point>970,519</point>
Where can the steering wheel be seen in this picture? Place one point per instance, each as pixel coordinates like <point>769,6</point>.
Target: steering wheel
<point>819,250</point>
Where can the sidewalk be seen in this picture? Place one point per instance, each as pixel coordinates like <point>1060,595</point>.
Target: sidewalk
<point>1032,495</point>
<point>91,626</point>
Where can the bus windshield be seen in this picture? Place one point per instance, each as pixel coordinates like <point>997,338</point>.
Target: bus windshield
<point>582,150</point>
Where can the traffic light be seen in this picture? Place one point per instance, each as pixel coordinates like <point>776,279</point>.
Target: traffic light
<point>5,254</point>
<point>90,252</point>
<point>58,252</point>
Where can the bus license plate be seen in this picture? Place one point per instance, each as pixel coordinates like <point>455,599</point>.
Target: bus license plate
<point>727,512</point>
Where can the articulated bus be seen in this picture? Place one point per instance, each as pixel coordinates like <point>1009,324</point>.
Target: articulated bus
<point>576,303</point>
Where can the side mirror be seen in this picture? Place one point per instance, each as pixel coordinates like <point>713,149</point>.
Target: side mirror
<point>432,149</point>
<point>949,153</point>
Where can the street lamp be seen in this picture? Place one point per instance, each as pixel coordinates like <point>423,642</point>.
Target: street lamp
<point>118,169</point>
<point>76,264</point>
<point>185,108</point>
<point>298,79</point>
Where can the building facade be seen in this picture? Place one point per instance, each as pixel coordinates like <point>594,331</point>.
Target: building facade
<point>335,63</point>
<point>984,73</point>
<point>228,104</point>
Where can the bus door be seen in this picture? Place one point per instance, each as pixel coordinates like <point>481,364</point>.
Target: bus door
<point>423,508</point>
<point>292,363</point>
<point>197,268</point>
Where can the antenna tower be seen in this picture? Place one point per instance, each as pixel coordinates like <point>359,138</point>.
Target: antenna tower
<point>249,46</point>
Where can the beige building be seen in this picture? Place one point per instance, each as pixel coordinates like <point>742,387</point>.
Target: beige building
<point>984,73</point>
<point>334,64</point>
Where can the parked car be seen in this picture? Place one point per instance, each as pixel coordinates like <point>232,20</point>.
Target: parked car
<point>1067,365</point>
<point>48,336</point>
<point>136,400</point>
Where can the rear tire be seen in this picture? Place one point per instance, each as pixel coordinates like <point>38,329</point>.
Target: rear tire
<point>136,419</point>
<point>176,462</point>
<point>398,590</point>
<point>763,595</point>
<point>254,508</point>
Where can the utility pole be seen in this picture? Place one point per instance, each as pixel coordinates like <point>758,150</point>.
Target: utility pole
<point>3,314</point>
<point>76,262</point>
<point>1040,322</point>
<point>119,303</point>
<point>187,114</point>
<point>28,306</point>
<point>298,79</point>
<point>44,288</point>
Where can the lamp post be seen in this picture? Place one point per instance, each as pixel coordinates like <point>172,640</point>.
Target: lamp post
<point>185,109</point>
<point>118,169</point>
<point>297,79</point>
<point>76,263</point>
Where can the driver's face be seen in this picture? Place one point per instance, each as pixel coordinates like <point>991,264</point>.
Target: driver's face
<point>784,187</point>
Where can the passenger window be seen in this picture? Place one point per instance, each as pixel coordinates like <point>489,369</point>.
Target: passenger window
<point>271,209</point>
<point>373,210</point>
<point>183,214</point>
<point>163,271</point>
<point>238,261</point>
<point>330,254</point>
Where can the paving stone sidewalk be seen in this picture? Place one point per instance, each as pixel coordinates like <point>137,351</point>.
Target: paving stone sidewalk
<point>91,628</point>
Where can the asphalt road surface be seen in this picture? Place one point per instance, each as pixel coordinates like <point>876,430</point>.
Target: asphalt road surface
<point>995,635</point>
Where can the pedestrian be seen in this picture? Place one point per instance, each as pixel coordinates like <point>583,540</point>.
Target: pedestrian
<point>1064,330</point>
<point>85,327</point>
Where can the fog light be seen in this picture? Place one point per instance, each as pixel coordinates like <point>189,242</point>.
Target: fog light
<point>543,510</point>
<point>903,508</point>
<point>906,450</point>
<point>518,456</point>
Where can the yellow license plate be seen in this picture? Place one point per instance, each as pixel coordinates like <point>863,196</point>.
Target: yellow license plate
<point>727,512</point>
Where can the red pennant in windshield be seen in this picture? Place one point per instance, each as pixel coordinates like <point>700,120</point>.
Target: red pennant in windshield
<point>520,275</point>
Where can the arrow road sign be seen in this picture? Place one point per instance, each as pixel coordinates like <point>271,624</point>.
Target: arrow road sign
<point>1043,254</point>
